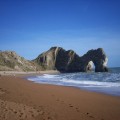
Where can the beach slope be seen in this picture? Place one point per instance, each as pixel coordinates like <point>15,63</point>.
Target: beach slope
<point>24,100</point>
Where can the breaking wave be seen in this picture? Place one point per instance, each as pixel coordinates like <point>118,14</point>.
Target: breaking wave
<point>101,82</point>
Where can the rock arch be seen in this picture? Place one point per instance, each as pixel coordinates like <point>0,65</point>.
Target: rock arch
<point>99,59</point>
<point>56,58</point>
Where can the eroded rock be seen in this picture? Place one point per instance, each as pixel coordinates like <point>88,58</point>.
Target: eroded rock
<point>56,58</point>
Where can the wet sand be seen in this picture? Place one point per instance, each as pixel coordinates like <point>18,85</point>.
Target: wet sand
<point>24,100</point>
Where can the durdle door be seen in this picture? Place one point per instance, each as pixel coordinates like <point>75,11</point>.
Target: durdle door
<point>56,58</point>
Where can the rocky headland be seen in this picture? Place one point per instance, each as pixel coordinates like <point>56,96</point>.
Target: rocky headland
<point>56,58</point>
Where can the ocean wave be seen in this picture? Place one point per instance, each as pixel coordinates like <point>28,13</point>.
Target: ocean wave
<point>91,83</point>
<point>109,82</point>
<point>68,80</point>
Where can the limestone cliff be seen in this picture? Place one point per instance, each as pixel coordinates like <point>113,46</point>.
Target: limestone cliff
<point>68,61</point>
<point>56,58</point>
<point>98,57</point>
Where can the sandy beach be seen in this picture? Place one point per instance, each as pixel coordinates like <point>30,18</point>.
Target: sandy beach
<point>24,100</point>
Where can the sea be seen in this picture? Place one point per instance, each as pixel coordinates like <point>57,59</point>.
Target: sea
<point>103,82</point>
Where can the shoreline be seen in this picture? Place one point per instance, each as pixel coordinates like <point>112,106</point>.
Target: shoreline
<point>101,90</point>
<point>21,73</point>
<point>79,88</point>
<point>25,75</point>
<point>23,99</point>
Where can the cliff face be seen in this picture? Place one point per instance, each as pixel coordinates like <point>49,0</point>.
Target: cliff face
<point>98,57</point>
<point>68,61</point>
<point>59,59</point>
<point>56,58</point>
<point>9,60</point>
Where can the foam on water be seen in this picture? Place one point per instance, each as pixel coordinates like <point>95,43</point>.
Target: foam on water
<point>49,76</point>
<point>93,83</point>
<point>102,82</point>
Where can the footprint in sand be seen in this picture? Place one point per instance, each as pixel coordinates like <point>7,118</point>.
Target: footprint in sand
<point>70,105</point>
<point>90,116</point>
<point>49,118</point>
<point>18,111</point>
<point>15,112</point>
<point>1,91</point>
<point>57,100</point>
<point>41,112</point>
<point>62,102</point>
<point>77,109</point>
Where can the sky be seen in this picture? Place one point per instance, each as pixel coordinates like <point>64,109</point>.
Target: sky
<point>31,27</point>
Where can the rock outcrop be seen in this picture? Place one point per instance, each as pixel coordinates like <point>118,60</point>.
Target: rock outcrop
<point>10,61</point>
<point>68,61</point>
<point>59,59</point>
<point>98,57</point>
<point>56,58</point>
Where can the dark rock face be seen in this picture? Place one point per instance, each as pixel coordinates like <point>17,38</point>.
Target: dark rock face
<point>99,59</point>
<point>58,59</point>
<point>68,61</point>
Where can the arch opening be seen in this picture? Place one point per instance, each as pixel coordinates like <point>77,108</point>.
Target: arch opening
<point>90,66</point>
